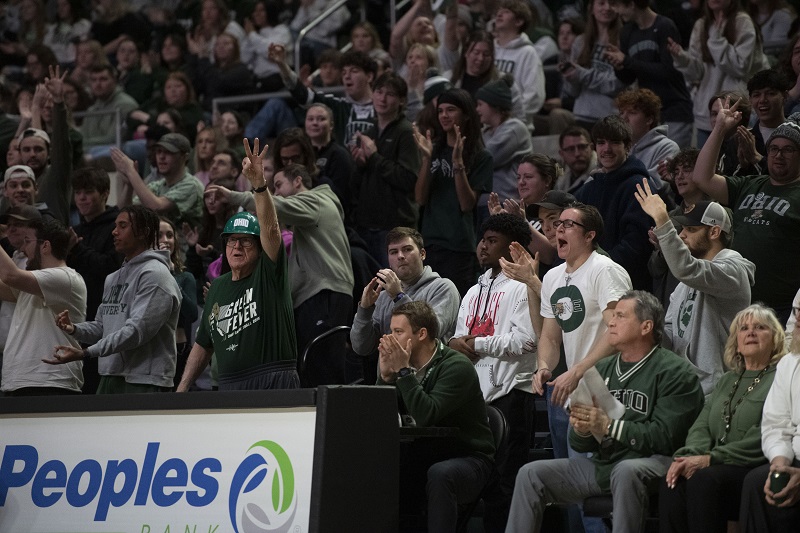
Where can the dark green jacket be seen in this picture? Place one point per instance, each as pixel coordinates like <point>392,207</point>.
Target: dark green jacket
<point>449,395</point>
<point>662,398</point>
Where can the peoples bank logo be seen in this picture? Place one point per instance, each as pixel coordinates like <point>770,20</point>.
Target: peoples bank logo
<point>262,498</point>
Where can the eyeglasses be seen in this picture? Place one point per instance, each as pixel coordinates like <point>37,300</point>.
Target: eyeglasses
<point>576,148</point>
<point>786,150</point>
<point>567,223</point>
<point>245,242</point>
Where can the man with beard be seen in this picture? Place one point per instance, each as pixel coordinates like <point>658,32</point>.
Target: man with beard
<point>575,149</point>
<point>766,209</point>
<point>494,330</point>
<point>714,282</point>
<point>47,288</point>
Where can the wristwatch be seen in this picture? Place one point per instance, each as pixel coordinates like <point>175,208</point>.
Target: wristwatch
<point>403,372</point>
<point>398,297</point>
<point>260,189</point>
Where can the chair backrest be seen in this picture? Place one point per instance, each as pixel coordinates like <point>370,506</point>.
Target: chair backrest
<point>322,362</point>
<point>498,425</point>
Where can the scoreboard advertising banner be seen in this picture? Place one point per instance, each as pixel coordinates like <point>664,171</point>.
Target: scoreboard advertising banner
<point>209,472</point>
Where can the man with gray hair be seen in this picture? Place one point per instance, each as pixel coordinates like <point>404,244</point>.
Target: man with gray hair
<point>662,397</point>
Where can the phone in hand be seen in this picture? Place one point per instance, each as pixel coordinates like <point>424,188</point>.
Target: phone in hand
<point>778,482</point>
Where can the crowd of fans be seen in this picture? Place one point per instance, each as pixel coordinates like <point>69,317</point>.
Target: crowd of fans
<point>396,191</point>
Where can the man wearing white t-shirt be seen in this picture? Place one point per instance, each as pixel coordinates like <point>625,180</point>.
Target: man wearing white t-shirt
<point>578,298</point>
<point>41,292</point>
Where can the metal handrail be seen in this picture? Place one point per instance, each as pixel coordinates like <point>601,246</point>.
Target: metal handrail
<point>83,114</point>
<point>260,97</point>
<point>316,21</point>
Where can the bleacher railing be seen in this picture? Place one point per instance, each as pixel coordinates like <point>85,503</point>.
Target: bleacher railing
<point>316,21</point>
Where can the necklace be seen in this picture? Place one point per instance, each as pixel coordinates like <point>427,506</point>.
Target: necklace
<point>727,410</point>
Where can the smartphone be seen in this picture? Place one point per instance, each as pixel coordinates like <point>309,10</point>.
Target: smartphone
<point>778,482</point>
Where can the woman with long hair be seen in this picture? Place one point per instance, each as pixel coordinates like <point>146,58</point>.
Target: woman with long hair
<point>724,52</point>
<point>178,94</point>
<point>773,18</point>
<point>588,76</point>
<point>210,141</point>
<point>456,169</point>
<point>419,58</point>
<point>703,487</point>
<point>214,20</point>
<point>71,25</point>
<point>168,240</point>
<point>364,38</point>
<point>333,160</point>
<point>225,76</point>
<point>264,27</point>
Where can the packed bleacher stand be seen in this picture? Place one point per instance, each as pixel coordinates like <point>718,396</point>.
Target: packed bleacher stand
<point>419,125</point>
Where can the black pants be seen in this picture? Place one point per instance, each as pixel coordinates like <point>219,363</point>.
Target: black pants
<point>757,516</point>
<point>315,316</point>
<point>517,406</point>
<point>704,503</point>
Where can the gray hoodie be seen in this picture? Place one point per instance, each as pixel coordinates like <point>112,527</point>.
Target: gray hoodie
<point>704,303</point>
<point>655,146</point>
<point>134,330</point>
<point>440,293</point>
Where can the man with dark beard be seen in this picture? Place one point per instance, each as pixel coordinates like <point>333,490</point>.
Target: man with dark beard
<point>41,292</point>
<point>714,281</point>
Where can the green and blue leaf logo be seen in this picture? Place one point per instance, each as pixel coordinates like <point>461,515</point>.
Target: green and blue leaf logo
<point>263,497</point>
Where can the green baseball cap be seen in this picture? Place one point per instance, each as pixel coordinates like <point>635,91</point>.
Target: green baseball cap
<point>244,222</point>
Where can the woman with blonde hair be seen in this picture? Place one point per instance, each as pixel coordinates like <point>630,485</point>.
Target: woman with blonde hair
<point>703,486</point>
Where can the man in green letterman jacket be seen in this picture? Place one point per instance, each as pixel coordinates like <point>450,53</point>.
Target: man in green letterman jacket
<point>662,397</point>
<point>437,386</point>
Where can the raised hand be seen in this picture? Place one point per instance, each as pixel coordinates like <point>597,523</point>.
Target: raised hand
<point>729,115</point>
<point>513,207</point>
<point>652,204</point>
<point>276,53</point>
<point>424,142</point>
<point>494,204</point>
<point>523,267</point>
<point>124,164</point>
<point>55,83</point>
<point>253,163</point>
<point>190,234</point>
<point>458,147</point>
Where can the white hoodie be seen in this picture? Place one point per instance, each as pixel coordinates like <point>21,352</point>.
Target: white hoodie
<point>496,310</point>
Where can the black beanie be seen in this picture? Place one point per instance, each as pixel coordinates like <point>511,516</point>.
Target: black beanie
<point>496,93</point>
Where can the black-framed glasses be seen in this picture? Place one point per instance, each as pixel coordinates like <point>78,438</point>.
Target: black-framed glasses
<point>567,223</point>
<point>245,242</point>
<point>788,150</point>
